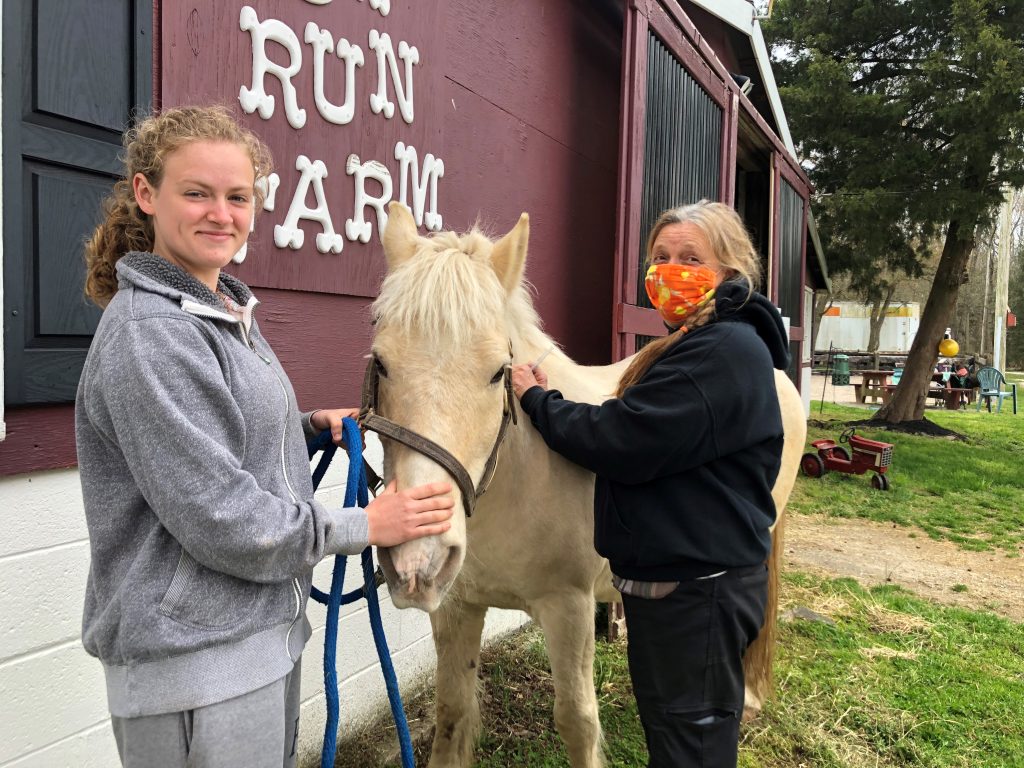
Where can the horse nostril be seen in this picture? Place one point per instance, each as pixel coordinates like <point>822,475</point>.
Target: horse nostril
<point>451,565</point>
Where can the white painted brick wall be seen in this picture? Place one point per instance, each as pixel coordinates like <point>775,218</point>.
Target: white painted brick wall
<point>91,748</point>
<point>3,426</point>
<point>53,708</point>
<point>41,596</point>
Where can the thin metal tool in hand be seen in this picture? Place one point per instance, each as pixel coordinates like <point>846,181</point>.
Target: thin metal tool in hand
<point>540,359</point>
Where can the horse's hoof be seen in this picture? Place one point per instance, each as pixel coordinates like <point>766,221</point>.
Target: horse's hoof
<point>751,708</point>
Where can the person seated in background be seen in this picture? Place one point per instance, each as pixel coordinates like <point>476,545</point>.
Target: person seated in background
<point>961,379</point>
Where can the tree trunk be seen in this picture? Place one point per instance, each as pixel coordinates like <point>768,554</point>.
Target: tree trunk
<point>879,309</point>
<point>908,401</point>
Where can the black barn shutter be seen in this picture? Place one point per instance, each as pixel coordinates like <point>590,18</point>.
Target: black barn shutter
<point>74,72</point>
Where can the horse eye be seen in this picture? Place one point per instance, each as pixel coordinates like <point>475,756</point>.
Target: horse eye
<point>380,367</point>
<point>498,376</point>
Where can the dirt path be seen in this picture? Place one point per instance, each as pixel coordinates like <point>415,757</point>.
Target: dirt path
<point>877,553</point>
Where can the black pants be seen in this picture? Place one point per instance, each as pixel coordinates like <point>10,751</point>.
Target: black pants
<point>686,662</point>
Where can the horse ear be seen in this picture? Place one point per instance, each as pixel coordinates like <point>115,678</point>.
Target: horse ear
<point>399,235</point>
<point>509,254</point>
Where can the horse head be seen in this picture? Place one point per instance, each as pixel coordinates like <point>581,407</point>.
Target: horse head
<point>450,312</point>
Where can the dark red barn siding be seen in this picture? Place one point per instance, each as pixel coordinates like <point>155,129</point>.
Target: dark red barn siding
<point>321,340</point>
<point>520,100</point>
<point>38,437</point>
<point>534,128</point>
<point>207,57</point>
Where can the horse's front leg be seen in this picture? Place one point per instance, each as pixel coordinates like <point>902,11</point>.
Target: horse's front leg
<point>568,623</point>
<point>457,630</point>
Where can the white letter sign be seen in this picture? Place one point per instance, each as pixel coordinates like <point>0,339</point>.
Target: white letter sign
<point>256,98</point>
<point>358,228</point>
<point>352,55</point>
<point>433,169</point>
<point>379,102</point>
<point>289,234</point>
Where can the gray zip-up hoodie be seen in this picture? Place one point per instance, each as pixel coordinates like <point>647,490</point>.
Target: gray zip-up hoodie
<point>202,524</point>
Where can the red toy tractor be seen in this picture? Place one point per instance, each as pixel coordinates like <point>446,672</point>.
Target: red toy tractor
<point>867,454</point>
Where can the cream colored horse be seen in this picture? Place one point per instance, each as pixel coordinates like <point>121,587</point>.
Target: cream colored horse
<point>449,311</point>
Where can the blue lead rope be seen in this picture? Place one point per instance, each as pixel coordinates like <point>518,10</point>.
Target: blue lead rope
<point>356,493</point>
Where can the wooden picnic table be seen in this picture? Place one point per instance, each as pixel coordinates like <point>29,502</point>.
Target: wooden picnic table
<point>950,397</point>
<point>873,385</point>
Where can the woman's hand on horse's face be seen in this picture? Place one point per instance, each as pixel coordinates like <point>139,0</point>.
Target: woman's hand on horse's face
<point>525,376</point>
<point>330,418</point>
<point>397,516</point>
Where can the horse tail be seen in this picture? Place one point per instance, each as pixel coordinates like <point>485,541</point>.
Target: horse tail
<point>759,660</point>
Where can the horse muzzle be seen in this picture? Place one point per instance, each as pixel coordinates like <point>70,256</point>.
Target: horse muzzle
<point>420,573</point>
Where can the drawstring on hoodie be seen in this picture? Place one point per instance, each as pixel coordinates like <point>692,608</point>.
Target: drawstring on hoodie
<point>355,493</point>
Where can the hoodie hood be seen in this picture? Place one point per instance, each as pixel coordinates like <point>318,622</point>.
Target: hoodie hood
<point>733,306</point>
<point>158,275</point>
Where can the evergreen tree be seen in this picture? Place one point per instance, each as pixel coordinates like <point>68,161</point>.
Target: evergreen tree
<point>910,116</point>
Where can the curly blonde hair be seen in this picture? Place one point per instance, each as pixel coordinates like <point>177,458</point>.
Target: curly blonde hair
<point>147,146</point>
<point>731,244</point>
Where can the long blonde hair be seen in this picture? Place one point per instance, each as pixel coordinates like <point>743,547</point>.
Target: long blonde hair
<point>147,146</point>
<point>731,244</point>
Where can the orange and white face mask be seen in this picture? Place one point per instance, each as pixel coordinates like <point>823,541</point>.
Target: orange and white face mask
<point>677,290</point>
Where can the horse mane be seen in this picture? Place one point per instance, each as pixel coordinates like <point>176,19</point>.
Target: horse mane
<point>450,287</point>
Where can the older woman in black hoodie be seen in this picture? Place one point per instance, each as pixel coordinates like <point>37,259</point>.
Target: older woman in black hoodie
<point>685,460</point>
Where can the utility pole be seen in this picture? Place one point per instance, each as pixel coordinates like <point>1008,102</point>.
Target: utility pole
<point>982,339</point>
<point>1002,287</point>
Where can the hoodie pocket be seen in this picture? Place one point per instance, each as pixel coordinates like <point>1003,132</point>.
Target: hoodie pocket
<point>613,537</point>
<point>206,599</point>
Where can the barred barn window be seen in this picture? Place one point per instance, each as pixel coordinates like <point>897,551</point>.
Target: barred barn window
<point>688,132</point>
<point>792,226</point>
<point>674,134</point>
<point>683,145</point>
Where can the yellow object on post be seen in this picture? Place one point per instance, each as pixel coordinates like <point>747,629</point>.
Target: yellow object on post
<point>948,348</point>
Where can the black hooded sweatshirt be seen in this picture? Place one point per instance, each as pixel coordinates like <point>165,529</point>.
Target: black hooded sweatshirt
<point>687,457</point>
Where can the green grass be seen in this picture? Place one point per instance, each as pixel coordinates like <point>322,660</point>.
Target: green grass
<point>967,492</point>
<point>518,698</point>
<point>517,705</point>
<point>894,681</point>
<point>885,679</point>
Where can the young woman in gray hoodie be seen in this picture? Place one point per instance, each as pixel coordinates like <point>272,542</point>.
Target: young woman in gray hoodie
<point>202,523</point>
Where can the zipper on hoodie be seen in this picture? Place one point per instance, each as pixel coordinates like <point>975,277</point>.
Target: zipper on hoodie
<point>247,338</point>
<point>291,492</point>
<point>202,310</point>
<point>196,308</point>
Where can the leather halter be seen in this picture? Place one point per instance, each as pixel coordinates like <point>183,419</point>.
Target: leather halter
<point>370,419</point>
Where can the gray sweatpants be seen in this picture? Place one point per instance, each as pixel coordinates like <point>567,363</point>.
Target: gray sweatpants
<point>256,730</point>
